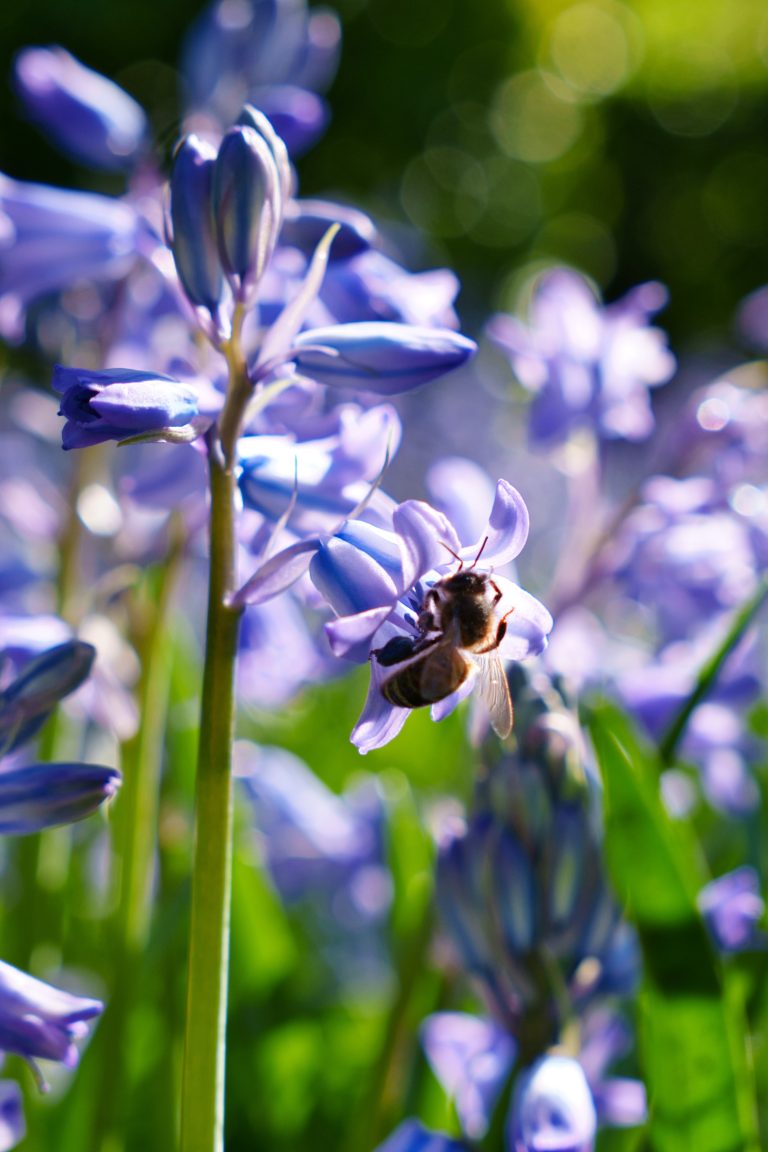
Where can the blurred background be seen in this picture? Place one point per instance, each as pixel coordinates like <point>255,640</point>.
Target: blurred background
<point>625,138</point>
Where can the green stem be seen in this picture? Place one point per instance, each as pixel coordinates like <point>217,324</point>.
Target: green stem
<point>202,1092</point>
<point>709,673</point>
<point>135,835</point>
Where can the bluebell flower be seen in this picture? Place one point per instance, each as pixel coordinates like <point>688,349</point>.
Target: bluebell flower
<point>588,366</point>
<point>192,228</point>
<point>382,358</point>
<point>266,54</point>
<point>119,403</point>
<point>42,682</point>
<point>553,1108</point>
<point>471,1057</point>
<point>53,237</point>
<point>41,796</point>
<point>40,1022</point>
<point>12,1126</point>
<point>251,182</point>
<point>412,1136</point>
<point>322,479</point>
<point>732,908</point>
<point>377,582</point>
<point>88,116</point>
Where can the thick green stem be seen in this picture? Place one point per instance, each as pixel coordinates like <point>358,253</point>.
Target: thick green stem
<point>202,1095</point>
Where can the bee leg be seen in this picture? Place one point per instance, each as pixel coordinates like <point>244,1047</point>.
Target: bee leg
<point>501,632</point>
<point>497,593</point>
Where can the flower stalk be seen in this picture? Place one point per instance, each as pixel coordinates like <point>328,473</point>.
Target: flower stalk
<point>202,1096</point>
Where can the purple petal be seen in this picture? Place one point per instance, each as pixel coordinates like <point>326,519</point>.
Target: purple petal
<point>471,1057</point>
<point>621,1102</point>
<point>528,622</point>
<point>427,537</point>
<point>412,1136</point>
<point>351,580</point>
<point>351,636</point>
<point>12,1126</point>
<point>379,721</point>
<point>507,530</point>
<point>278,573</point>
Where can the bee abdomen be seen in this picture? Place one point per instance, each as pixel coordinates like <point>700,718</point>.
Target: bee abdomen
<point>440,671</point>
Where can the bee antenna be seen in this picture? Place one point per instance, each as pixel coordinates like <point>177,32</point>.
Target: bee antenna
<point>454,554</point>
<point>482,549</point>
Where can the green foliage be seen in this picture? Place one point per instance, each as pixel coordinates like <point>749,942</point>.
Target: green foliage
<point>692,1025</point>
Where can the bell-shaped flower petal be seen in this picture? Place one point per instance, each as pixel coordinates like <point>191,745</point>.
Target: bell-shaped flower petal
<point>193,234</point>
<point>87,115</point>
<point>40,1022</point>
<point>119,403</point>
<point>381,358</point>
<point>247,207</point>
<point>46,795</point>
<point>52,237</point>
<point>471,1057</point>
<point>553,1108</point>
<point>12,1126</point>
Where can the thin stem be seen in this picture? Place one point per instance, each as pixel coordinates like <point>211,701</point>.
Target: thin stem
<point>202,1093</point>
<point>136,833</point>
<point>710,672</point>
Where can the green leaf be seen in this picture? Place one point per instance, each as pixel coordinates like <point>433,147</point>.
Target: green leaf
<point>693,1042</point>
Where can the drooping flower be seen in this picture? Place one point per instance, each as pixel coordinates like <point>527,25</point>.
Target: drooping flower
<point>732,908</point>
<point>40,1022</point>
<point>119,403</point>
<point>553,1108</point>
<point>377,582</point>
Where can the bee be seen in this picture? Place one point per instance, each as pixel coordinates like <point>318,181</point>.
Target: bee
<point>459,627</point>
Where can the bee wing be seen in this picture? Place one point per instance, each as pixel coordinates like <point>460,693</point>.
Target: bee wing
<point>494,692</point>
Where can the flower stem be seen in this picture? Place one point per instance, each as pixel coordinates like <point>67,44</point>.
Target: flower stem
<point>202,1092</point>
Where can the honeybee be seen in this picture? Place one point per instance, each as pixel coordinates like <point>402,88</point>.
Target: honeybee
<point>459,627</point>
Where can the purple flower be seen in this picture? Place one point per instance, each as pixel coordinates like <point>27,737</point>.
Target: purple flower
<point>40,1022</point>
<point>251,181</point>
<point>412,1136</point>
<point>471,1057</point>
<point>51,238</point>
<point>378,581</point>
<point>324,479</point>
<point>46,795</point>
<point>589,366</point>
<point>381,358</point>
<point>553,1108</point>
<point>12,1126</point>
<point>119,403</point>
<point>193,227</point>
<point>732,908</point>
<point>87,115</point>
<point>261,53</point>
<point>29,699</point>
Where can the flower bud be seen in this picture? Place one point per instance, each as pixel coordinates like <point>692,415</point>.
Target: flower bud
<point>87,115</point>
<point>380,357</point>
<point>193,239</point>
<point>46,795</point>
<point>44,681</point>
<point>247,202</point>
<point>119,403</point>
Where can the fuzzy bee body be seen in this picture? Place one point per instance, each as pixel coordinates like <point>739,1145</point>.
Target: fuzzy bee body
<point>459,628</point>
